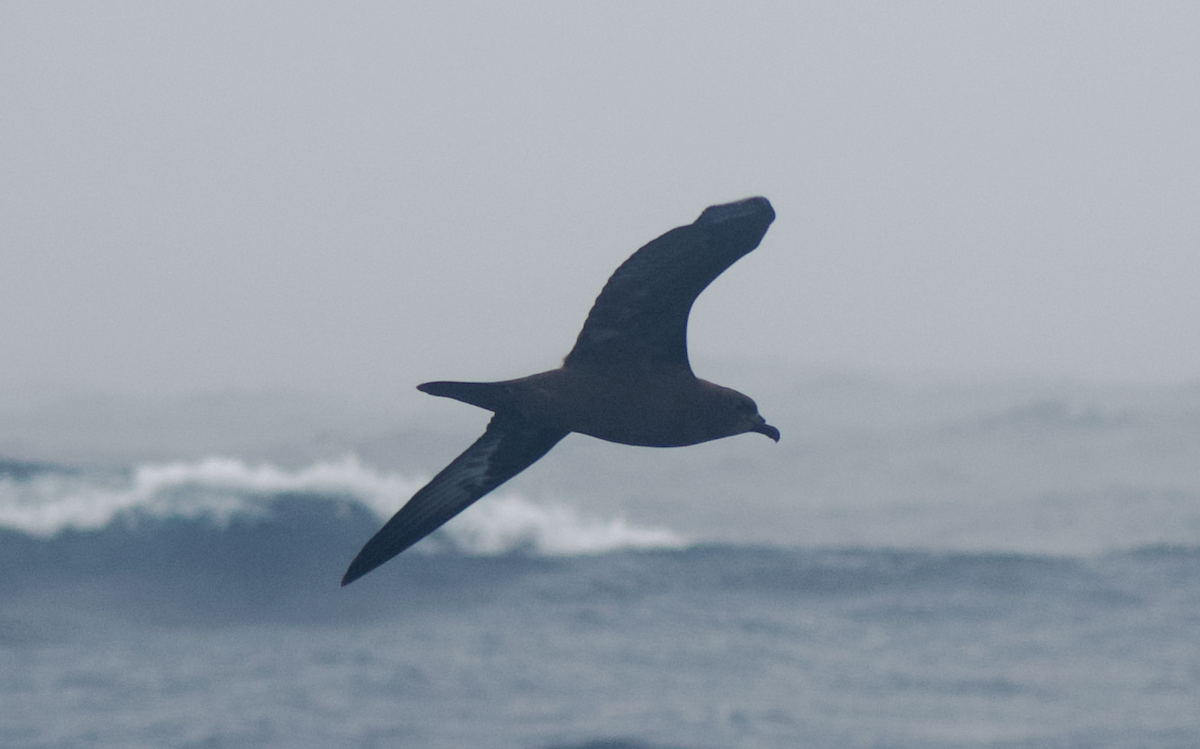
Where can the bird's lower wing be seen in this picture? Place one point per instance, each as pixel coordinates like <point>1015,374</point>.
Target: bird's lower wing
<point>509,446</point>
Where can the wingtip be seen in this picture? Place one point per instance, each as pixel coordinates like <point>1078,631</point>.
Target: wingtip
<point>757,208</point>
<point>353,572</point>
<point>368,559</point>
<point>744,223</point>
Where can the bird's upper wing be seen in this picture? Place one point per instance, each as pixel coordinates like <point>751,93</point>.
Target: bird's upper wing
<point>509,446</point>
<point>640,317</point>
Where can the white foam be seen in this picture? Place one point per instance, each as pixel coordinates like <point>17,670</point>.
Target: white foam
<point>221,487</point>
<point>508,521</point>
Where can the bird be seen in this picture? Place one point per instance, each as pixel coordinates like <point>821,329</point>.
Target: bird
<point>626,380</point>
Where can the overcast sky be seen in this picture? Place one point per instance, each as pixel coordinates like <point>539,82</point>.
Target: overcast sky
<point>361,196</point>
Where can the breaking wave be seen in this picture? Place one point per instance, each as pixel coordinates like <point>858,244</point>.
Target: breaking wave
<point>46,501</point>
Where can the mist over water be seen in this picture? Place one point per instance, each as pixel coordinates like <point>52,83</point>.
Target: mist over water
<point>1062,468</point>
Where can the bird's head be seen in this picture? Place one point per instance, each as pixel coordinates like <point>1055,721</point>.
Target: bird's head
<point>749,420</point>
<point>744,414</point>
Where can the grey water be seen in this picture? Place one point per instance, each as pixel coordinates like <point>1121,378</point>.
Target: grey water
<point>971,566</point>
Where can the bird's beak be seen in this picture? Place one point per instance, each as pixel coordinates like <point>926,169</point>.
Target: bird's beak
<point>762,427</point>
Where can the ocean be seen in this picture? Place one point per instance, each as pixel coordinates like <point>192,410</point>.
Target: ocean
<point>1000,565</point>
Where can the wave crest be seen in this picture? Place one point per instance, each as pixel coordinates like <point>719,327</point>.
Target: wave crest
<point>219,488</point>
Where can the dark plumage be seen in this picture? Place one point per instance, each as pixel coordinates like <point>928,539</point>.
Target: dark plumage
<point>627,379</point>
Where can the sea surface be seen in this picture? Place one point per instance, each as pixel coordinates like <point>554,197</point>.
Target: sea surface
<point>938,566</point>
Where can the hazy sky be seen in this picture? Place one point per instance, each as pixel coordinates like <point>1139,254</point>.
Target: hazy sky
<point>362,196</point>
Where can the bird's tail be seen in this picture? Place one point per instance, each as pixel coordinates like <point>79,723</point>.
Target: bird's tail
<point>490,395</point>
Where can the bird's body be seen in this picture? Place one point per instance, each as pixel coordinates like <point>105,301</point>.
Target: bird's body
<point>627,379</point>
<point>658,409</point>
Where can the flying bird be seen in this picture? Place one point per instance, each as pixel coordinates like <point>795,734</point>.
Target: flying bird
<point>627,379</point>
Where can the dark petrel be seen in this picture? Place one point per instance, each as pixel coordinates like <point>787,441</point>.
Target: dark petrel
<point>627,380</point>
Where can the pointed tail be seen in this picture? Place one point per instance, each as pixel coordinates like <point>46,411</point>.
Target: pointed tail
<point>490,395</point>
